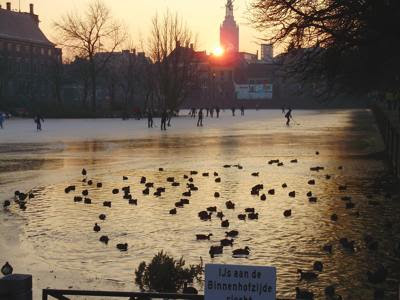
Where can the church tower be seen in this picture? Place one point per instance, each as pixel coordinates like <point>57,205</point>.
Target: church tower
<point>229,31</point>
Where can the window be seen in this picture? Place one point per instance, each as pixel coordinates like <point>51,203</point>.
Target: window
<point>42,51</point>
<point>49,52</point>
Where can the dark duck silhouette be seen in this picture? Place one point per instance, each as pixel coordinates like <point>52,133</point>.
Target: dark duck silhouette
<point>245,251</point>
<point>7,269</point>
<point>203,236</point>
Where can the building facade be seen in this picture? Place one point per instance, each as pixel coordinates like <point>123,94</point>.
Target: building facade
<point>30,65</point>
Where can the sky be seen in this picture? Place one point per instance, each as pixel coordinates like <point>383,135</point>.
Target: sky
<point>203,17</point>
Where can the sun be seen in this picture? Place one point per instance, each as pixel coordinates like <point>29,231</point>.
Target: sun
<point>218,51</point>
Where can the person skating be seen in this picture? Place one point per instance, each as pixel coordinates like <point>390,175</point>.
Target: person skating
<point>242,110</point>
<point>149,118</point>
<point>200,119</point>
<point>217,111</point>
<point>1,120</point>
<point>288,116</point>
<point>164,117</point>
<point>233,111</point>
<point>38,119</point>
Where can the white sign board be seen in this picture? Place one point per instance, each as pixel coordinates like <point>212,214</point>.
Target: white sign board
<point>237,282</point>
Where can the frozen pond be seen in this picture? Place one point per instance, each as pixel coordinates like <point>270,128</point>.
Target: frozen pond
<point>53,239</point>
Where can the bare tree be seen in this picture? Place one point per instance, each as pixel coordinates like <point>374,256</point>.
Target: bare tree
<point>89,34</point>
<point>171,49</point>
<point>346,41</point>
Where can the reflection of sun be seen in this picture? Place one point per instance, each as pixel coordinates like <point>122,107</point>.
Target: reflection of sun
<point>218,51</point>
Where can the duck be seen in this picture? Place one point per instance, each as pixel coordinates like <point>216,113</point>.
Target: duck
<point>317,153</point>
<point>203,236</point>
<point>146,191</point>
<point>85,193</point>
<point>215,174</point>
<point>227,166</point>
<point>90,182</point>
<point>126,189</point>
<point>149,184</point>
<point>218,179</point>
<point>313,199</point>
<point>132,201</point>
<point>334,217</point>
<point>292,194</point>
<point>294,161</point>
<point>309,194</point>
<point>204,215</point>
<point>225,223</point>
<point>232,233</point>
<point>185,201</point>
<point>255,174</point>
<point>307,275</point>
<point>216,195</point>
<point>160,169</point>
<point>87,201</point>
<point>179,204</point>
<point>170,179</point>
<point>287,213</point>
<point>327,176</point>
<point>115,191</point>
<point>187,194</point>
<point>318,266</point>
<point>280,164</point>
<point>244,251</point>
<point>185,176</point>
<point>346,244</point>
<point>102,217</point>
<point>6,203</point>
<point>122,247</point>
<point>263,197</point>
<point>7,269</point>
<point>84,172</point>
<point>96,227</point>
<point>99,185</point>
<point>193,172</point>
<point>327,248</point>
<point>205,174</point>
<point>143,180</point>
<point>104,239</point>
<point>212,208</point>
<point>226,242</point>
<point>69,189</point>
<point>249,209</point>
<point>230,205</point>
<point>107,203</point>
<point>271,192</point>
<point>284,185</point>
<point>311,182</point>
<point>172,211</point>
<point>220,215</point>
<point>214,250</point>
<point>242,217</point>
<point>78,199</point>
<point>253,216</point>
<point>175,184</point>
<point>302,294</point>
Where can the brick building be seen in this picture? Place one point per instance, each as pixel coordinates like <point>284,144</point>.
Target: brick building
<point>29,63</point>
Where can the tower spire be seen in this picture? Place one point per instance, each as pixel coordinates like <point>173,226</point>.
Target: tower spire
<point>229,9</point>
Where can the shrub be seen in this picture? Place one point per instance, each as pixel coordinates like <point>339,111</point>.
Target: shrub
<point>165,274</point>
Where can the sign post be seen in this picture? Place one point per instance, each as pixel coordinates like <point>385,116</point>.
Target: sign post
<point>237,282</point>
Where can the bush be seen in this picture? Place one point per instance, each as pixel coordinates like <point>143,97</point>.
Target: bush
<point>165,274</point>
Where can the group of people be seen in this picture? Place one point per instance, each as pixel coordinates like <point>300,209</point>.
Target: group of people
<point>38,119</point>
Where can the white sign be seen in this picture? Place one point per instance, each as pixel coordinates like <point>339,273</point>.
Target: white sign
<point>253,91</point>
<point>234,282</point>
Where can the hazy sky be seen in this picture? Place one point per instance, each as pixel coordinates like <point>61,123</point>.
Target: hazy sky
<point>202,16</point>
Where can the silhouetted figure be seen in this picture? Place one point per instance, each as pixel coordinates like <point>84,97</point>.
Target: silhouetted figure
<point>164,116</point>
<point>283,109</point>
<point>193,112</point>
<point>38,119</point>
<point>1,120</point>
<point>217,111</point>
<point>208,111</point>
<point>150,118</point>
<point>169,117</point>
<point>288,116</point>
<point>242,110</point>
<point>200,120</point>
<point>212,112</point>
<point>233,111</point>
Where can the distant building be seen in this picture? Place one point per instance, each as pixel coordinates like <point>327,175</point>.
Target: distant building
<point>28,60</point>
<point>267,53</point>
<point>229,31</point>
